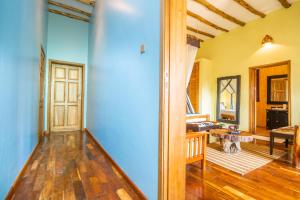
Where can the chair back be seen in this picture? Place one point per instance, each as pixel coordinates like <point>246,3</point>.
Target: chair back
<point>296,155</point>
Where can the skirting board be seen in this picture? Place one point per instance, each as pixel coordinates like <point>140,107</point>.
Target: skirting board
<point>12,190</point>
<point>131,183</point>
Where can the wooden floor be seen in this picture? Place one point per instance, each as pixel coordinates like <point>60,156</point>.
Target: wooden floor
<point>275,181</point>
<point>262,131</point>
<point>70,166</point>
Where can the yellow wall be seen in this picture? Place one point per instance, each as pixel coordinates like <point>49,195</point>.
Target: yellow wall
<point>234,52</point>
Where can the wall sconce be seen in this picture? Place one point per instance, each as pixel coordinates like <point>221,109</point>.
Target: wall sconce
<point>267,40</point>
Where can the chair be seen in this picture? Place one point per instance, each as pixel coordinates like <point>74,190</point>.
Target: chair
<point>196,141</point>
<point>296,155</point>
<point>196,147</point>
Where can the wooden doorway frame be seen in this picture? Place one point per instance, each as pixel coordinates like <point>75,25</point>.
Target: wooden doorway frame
<point>172,125</point>
<point>73,64</point>
<point>42,54</point>
<point>252,92</point>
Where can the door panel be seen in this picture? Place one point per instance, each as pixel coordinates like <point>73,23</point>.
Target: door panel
<point>66,101</point>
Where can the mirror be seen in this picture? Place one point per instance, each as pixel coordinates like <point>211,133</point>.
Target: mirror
<point>278,92</point>
<point>228,99</point>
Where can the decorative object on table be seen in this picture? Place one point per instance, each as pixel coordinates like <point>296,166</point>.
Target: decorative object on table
<point>233,129</point>
<point>231,142</point>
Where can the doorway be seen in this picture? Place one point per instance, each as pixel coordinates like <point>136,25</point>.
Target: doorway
<point>262,108</point>
<point>42,94</point>
<point>66,91</point>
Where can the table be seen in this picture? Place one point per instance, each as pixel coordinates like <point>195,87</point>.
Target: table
<point>286,133</point>
<point>231,142</point>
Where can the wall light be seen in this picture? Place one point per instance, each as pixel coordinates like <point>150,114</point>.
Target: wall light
<point>267,40</point>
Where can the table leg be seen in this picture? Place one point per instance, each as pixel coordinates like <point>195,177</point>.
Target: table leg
<point>271,144</point>
<point>286,143</point>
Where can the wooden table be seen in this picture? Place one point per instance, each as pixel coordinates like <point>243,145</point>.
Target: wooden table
<point>287,133</point>
<point>231,142</point>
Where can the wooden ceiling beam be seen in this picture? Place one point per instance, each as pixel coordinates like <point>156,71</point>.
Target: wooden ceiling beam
<point>220,12</point>
<point>285,3</point>
<point>201,19</point>
<point>87,2</point>
<point>71,8</point>
<point>68,15</point>
<point>200,32</point>
<point>250,8</point>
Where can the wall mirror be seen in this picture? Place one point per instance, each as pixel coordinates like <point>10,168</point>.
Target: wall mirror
<point>228,99</point>
<point>278,92</point>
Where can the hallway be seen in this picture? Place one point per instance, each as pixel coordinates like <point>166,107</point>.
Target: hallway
<point>71,166</point>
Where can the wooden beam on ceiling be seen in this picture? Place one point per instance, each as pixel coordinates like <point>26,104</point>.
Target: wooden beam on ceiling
<point>194,37</point>
<point>200,32</point>
<point>220,12</point>
<point>250,8</point>
<point>87,2</point>
<point>68,15</point>
<point>71,8</point>
<point>201,19</point>
<point>285,3</point>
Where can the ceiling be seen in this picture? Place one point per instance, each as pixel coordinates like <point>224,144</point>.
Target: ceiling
<point>209,18</point>
<point>76,9</point>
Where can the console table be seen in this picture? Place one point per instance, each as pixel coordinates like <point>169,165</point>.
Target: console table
<point>286,133</point>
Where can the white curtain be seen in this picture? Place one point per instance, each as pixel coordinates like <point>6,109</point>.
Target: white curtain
<point>191,56</point>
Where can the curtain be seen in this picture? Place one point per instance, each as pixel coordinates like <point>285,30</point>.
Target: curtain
<point>191,56</point>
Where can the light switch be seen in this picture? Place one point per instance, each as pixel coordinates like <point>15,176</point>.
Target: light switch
<point>142,49</point>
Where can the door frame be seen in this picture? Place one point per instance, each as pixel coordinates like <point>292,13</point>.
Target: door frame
<point>73,64</point>
<point>252,92</point>
<point>44,54</point>
<point>172,115</point>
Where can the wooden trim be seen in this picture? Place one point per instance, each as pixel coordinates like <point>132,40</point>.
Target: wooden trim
<point>285,3</point>
<point>87,2</point>
<point>200,32</point>
<point>248,7</point>
<point>16,183</point>
<point>119,169</point>
<point>252,92</point>
<point>172,127</point>
<point>68,7</point>
<point>201,19</point>
<point>220,12</point>
<point>52,61</point>
<point>68,15</point>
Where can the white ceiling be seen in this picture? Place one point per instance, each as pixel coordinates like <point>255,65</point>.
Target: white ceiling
<point>231,8</point>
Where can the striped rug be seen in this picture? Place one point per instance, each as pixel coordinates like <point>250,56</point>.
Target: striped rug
<point>250,158</point>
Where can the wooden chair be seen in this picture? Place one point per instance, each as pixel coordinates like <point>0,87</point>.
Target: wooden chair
<point>296,156</point>
<point>196,147</point>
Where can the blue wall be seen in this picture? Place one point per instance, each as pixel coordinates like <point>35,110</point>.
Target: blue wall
<point>123,90</point>
<point>67,41</point>
<point>22,32</point>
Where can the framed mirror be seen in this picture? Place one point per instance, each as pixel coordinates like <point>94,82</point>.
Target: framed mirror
<point>278,89</point>
<point>228,99</point>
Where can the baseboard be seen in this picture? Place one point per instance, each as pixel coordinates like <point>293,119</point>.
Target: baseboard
<point>12,190</point>
<point>131,183</point>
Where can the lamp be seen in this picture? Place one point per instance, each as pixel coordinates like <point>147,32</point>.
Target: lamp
<point>267,40</point>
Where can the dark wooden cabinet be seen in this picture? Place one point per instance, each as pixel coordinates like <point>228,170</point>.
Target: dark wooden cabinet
<point>277,119</point>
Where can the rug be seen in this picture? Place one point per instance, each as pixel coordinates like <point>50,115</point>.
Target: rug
<point>250,158</point>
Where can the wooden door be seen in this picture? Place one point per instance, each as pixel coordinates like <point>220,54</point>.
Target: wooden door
<point>66,100</point>
<point>42,95</point>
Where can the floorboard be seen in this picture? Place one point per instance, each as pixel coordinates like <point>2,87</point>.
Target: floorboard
<point>70,166</point>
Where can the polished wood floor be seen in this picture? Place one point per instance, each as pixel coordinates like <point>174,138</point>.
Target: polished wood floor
<point>275,181</point>
<point>70,166</point>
